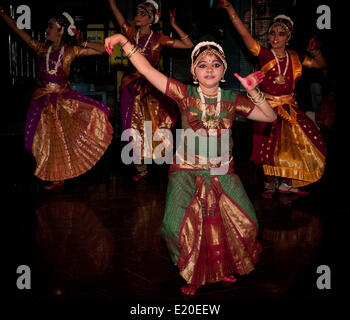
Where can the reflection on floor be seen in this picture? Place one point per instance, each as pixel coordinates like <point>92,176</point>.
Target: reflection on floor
<point>98,237</point>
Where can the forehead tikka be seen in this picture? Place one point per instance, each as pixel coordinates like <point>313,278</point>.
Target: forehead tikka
<point>197,56</point>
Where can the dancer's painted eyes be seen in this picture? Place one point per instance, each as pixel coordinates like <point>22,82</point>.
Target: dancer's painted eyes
<point>214,65</point>
<point>141,13</point>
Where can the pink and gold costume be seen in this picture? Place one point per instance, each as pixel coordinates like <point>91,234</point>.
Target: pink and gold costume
<point>66,132</point>
<point>292,146</point>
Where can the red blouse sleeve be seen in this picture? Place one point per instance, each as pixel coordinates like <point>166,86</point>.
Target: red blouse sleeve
<point>37,46</point>
<point>264,55</point>
<point>175,90</point>
<point>166,40</point>
<point>128,30</point>
<point>243,106</point>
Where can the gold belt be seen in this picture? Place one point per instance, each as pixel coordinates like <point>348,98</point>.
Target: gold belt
<point>52,86</point>
<point>277,102</point>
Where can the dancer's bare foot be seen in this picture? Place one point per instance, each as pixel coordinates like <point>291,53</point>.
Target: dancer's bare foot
<point>230,279</point>
<point>189,289</point>
<point>285,188</point>
<point>54,185</point>
<point>140,176</point>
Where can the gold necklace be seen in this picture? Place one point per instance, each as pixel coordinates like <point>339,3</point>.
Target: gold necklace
<point>210,95</point>
<point>213,121</point>
<point>280,79</point>
<point>137,40</point>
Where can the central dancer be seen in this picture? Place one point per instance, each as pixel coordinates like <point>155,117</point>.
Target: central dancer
<point>210,226</point>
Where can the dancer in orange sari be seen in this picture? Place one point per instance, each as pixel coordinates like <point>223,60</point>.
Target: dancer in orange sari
<point>291,149</point>
<point>65,131</point>
<point>139,100</point>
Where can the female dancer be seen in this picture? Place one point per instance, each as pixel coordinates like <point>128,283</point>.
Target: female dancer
<point>209,226</point>
<point>292,147</point>
<point>139,100</point>
<point>66,132</point>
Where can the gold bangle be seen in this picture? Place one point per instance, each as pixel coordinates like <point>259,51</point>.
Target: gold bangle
<point>122,45</point>
<point>252,98</point>
<point>184,37</point>
<point>233,17</point>
<point>259,98</point>
<point>132,52</point>
<point>84,44</point>
<point>128,53</point>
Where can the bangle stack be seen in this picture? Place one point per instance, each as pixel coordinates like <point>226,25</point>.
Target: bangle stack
<point>259,98</point>
<point>132,51</point>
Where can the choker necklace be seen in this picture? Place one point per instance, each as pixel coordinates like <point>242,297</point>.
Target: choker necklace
<point>213,122</point>
<point>137,40</point>
<point>280,79</point>
<point>210,96</point>
<point>54,71</point>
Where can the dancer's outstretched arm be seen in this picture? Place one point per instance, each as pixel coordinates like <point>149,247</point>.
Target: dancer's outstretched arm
<point>158,79</point>
<point>12,24</point>
<point>238,24</point>
<point>116,12</point>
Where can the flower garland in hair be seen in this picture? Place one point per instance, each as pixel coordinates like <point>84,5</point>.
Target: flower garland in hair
<point>155,5</point>
<point>72,29</point>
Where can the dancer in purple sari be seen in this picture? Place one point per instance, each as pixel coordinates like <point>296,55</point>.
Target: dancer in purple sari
<point>65,131</point>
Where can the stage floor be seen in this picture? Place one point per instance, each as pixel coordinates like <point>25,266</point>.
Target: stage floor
<point>98,237</point>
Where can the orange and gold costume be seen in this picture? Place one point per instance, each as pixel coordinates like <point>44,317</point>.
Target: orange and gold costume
<point>292,146</point>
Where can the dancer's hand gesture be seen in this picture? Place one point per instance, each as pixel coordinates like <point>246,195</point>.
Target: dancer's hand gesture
<point>252,80</point>
<point>314,44</point>
<point>112,41</point>
<point>172,17</point>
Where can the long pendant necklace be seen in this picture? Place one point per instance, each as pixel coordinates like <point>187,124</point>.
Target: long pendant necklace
<point>213,122</point>
<point>137,41</point>
<point>58,63</point>
<point>280,79</point>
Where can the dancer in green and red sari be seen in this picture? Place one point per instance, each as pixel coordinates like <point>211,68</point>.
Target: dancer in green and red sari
<point>210,226</point>
<point>291,149</point>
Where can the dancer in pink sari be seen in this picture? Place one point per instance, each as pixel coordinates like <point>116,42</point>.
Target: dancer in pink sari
<point>65,131</point>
